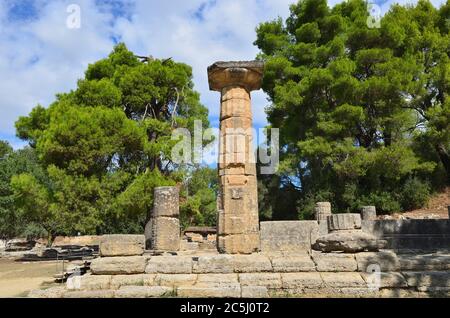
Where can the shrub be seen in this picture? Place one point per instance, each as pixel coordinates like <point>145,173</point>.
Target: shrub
<point>385,202</point>
<point>415,194</point>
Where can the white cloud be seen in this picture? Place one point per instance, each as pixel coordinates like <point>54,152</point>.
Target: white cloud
<point>40,57</point>
<point>225,31</point>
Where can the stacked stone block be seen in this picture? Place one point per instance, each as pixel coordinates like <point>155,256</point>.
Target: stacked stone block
<point>258,275</point>
<point>237,218</point>
<point>163,229</point>
<point>322,210</point>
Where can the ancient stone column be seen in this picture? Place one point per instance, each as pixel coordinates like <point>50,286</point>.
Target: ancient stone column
<point>369,213</point>
<point>322,210</point>
<point>163,229</point>
<point>238,223</point>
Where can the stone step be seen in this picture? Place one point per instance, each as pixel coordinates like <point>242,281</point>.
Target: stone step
<point>424,262</point>
<point>417,241</point>
<point>258,285</point>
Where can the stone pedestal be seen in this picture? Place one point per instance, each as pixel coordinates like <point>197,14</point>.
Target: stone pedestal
<point>347,236</point>
<point>238,223</point>
<point>369,213</point>
<point>322,210</point>
<point>163,229</point>
<point>343,222</point>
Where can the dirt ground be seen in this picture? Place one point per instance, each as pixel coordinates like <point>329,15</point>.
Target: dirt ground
<point>437,208</point>
<point>17,278</point>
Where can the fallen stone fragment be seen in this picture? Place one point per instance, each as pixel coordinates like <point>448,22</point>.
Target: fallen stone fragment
<point>348,242</point>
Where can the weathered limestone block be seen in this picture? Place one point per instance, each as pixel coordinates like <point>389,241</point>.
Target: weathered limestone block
<point>143,291</point>
<point>424,262</point>
<point>430,279</point>
<point>206,245</point>
<point>397,293</point>
<point>166,202</point>
<point>352,292</point>
<point>302,263</point>
<point>215,280</point>
<point>89,294</point>
<point>230,291</point>
<point>163,229</point>
<point>335,280</point>
<point>53,292</point>
<point>254,292</point>
<point>386,280</point>
<point>149,279</point>
<point>166,234</point>
<point>251,263</point>
<point>169,265</point>
<point>290,236</point>
<point>85,240</point>
<point>387,260</point>
<point>176,280</point>
<point>234,224</point>
<point>322,210</point>
<point>269,280</point>
<point>118,281</point>
<point>95,282</point>
<point>369,213</point>
<point>344,221</point>
<point>349,242</point>
<point>118,265</point>
<point>189,246</point>
<point>334,262</point>
<point>122,245</point>
<point>302,280</point>
<point>238,243</point>
<point>214,264</point>
<point>238,224</point>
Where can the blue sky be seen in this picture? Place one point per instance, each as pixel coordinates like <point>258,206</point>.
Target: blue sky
<point>40,56</point>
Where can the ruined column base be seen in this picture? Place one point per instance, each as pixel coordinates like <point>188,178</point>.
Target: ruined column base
<point>238,243</point>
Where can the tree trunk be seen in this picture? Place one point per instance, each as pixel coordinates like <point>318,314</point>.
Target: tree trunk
<point>445,159</point>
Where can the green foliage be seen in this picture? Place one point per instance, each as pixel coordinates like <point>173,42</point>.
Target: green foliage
<point>105,146</point>
<point>360,110</point>
<point>5,149</point>
<point>415,194</point>
<point>199,192</point>
<point>16,163</point>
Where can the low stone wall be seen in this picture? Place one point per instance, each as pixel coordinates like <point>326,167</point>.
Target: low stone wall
<point>258,275</point>
<point>289,235</point>
<point>85,240</point>
<point>411,234</point>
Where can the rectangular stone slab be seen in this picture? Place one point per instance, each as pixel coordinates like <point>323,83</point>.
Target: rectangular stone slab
<point>122,245</point>
<point>118,265</point>
<point>288,235</point>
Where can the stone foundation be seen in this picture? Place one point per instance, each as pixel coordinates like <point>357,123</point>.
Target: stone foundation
<point>307,274</point>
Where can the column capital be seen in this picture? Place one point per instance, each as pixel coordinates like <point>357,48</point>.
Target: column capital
<point>247,74</point>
